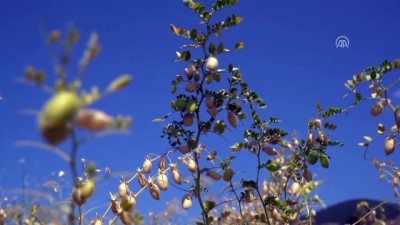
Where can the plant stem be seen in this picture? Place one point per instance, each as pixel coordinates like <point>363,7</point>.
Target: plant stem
<point>74,172</point>
<point>239,203</point>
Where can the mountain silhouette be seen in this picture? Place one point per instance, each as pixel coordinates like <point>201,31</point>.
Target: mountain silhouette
<point>346,212</point>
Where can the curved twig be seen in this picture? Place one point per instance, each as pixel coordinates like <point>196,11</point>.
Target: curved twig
<point>46,147</point>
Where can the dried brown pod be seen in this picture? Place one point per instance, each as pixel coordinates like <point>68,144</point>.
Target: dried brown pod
<point>233,119</point>
<point>154,191</point>
<point>177,176</point>
<point>390,145</point>
<point>162,181</point>
<point>214,175</point>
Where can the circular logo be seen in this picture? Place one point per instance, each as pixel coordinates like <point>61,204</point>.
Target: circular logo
<point>342,42</point>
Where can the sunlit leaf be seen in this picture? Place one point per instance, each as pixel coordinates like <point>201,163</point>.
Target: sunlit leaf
<point>239,45</point>
<point>178,31</point>
<point>363,144</point>
<point>368,138</point>
<point>120,83</point>
<point>237,19</point>
<point>158,120</point>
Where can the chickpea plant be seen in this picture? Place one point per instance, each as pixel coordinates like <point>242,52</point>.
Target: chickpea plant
<point>211,99</point>
<point>380,86</point>
<point>69,108</point>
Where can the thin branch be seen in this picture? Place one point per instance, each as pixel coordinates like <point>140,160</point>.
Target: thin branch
<point>46,147</point>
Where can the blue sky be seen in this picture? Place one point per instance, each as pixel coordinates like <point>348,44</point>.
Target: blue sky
<point>290,59</point>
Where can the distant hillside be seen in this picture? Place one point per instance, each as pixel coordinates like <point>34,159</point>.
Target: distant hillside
<point>346,212</point>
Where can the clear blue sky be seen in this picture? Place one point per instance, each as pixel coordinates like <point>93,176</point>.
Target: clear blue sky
<point>290,58</point>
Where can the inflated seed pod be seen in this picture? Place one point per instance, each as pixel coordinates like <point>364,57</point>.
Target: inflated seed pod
<point>77,196</point>
<point>214,175</point>
<point>162,181</point>
<point>147,165</point>
<point>88,189</point>
<point>177,176</point>
<point>123,189</point>
<point>128,203</point>
<point>162,164</point>
<point>142,180</point>
<point>154,191</point>
<point>187,201</point>
<point>192,165</point>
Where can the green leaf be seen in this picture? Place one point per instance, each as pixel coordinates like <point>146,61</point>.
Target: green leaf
<point>262,105</point>
<point>237,19</point>
<point>193,34</point>
<point>272,166</point>
<point>233,2</point>
<point>239,45</point>
<point>211,48</point>
<point>373,75</point>
<point>216,77</point>
<point>358,97</point>
<point>312,157</point>
<point>221,48</point>
<point>185,55</point>
<point>332,111</point>
<point>324,159</point>
<point>210,205</point>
